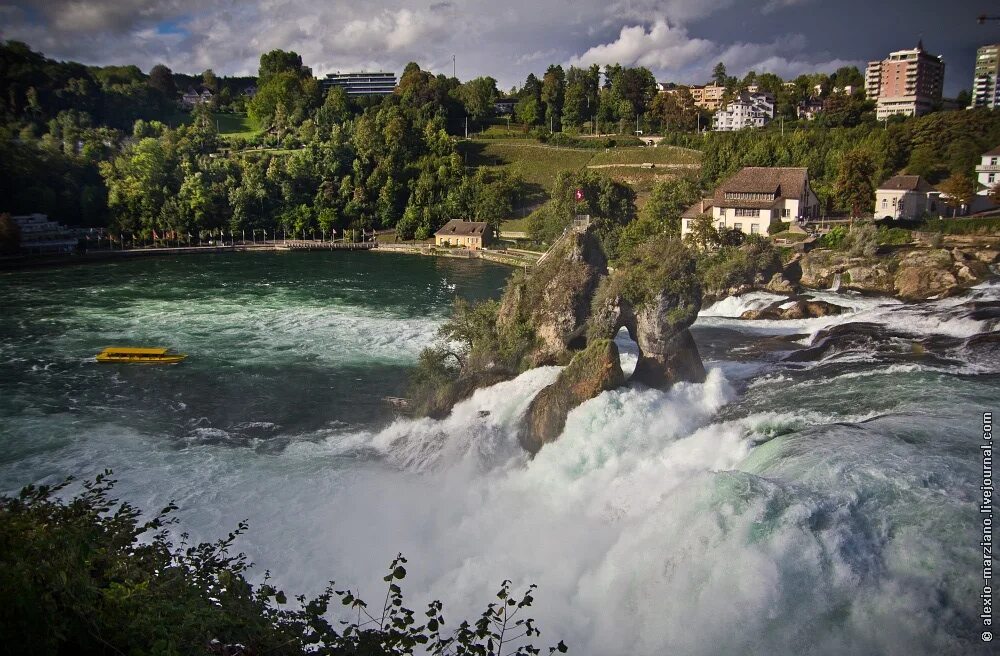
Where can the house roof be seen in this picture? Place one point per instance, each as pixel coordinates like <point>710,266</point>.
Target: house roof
<point>906,183</point>
<point>783,181</point>
<point>458,227</point>
<point>995,151</point>
<point>703,206</point>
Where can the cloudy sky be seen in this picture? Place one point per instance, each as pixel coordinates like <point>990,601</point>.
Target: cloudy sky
<point>679,40</point>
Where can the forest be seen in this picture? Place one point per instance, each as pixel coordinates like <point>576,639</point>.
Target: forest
<point>111,146</point>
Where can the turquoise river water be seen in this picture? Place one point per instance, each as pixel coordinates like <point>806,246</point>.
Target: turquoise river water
<point>816,495</point>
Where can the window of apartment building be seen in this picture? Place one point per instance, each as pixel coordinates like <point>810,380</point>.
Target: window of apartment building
<point>738,226</point>
<point>754,228</point>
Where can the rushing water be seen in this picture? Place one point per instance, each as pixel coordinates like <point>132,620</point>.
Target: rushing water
<point>817,494</point>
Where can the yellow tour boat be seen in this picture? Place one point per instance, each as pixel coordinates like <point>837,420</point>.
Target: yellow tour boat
<point>140,355</point>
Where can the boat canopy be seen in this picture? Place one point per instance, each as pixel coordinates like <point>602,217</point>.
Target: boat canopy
<point>131,350</point>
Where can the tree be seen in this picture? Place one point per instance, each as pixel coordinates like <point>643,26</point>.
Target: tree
<point>209,80</point>
<point>553,95</point>
<point>10,235</point>
<point>278,61</point>
<point>854,186</point>
<point>162,80</point>
<point>479,96</point>
<point>719,76</point>
<point>959,191</point>
<point>702,235</point>
<point>528,110</point>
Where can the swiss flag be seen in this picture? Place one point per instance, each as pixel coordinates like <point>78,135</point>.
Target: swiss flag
<point>579,194</point>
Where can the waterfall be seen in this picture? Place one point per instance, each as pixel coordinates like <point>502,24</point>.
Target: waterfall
<point>836,283</point>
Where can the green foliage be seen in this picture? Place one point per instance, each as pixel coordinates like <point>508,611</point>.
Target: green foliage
<point>610,205</point>
<point>987,226</point>
<point>862,239</point>
<point>751,263</point>
<point>661,265</point>
<point>834,239</point>
<point>888,236</point>
<point>88,576</point>
<point>854,185</point>
<point>777,225</point>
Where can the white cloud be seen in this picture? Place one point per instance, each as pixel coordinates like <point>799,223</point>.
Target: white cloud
<point>505,40</point>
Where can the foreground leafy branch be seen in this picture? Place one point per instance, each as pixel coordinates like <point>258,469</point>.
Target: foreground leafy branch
<point>87,576</point>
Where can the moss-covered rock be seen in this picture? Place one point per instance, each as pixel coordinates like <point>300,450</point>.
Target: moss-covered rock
<point>594,370</point>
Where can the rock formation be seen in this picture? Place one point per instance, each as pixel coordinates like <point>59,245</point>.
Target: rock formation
<point>555,298</point>
<point>800,309</point>
<point>592,371</point>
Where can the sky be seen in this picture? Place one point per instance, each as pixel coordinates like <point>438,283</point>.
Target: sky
<point>679,40</point>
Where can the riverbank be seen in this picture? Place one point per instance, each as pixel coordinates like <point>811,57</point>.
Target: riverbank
<point>514,258</point>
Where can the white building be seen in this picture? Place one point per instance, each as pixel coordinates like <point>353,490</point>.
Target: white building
<point>749,110</point>
<point>988,171</point>
<point>756,195</point>
<point>906,197</point>
<point>40,235</point>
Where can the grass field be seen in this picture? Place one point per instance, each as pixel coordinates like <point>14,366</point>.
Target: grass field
<point>538,164</point>
<point>647,154</point>
<point>235,125</point>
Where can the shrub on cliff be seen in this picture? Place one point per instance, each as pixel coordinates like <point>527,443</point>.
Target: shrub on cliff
<point>89,576</point>
<point>752,262</point>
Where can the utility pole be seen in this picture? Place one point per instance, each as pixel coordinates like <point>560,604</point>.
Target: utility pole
<point>454,68</point>
<point>466,127</point>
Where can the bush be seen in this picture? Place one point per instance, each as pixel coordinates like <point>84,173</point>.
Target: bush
<point>862,239</point>
<point>985,226</point>
<point>893,236</point>
<point>833,239</point>
<point>777,225</point>
<point>86,576</point>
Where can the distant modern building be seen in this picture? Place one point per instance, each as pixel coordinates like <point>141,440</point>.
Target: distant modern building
<point>472,235</point>
<point>908,83</point>
<point>751,199</point>
<point>906,197</point>
<point>748,110</point>
<point>708,97</point>
<point>986,79</point>
<point>40,236</point>
<point>361,84</point>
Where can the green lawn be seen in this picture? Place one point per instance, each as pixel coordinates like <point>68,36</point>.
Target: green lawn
<point>646,154</point>
<point>235,125</point>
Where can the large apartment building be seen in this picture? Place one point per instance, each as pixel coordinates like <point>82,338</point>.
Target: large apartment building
<point>707,97</point>
<point>908,82</point>
<point>361,84</point>
<point>986,80</point>
<point>747,110</point>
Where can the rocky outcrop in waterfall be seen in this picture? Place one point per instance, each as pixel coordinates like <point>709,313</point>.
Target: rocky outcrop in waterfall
<point>592,371</point>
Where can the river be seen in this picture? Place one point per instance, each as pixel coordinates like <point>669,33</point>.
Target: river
<point>817,494</point>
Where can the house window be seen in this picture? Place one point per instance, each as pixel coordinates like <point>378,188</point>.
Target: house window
<point>722,225</point>
<point>738,226</point>
<point>885,203</point>
<point>754,228</point>
<point>993,161</point>
<point>785,213</point>
<point>992,178</point>
<point>746,211</point>
<point>687,224</point>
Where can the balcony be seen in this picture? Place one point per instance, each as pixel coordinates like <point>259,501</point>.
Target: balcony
<point>988,168</point>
